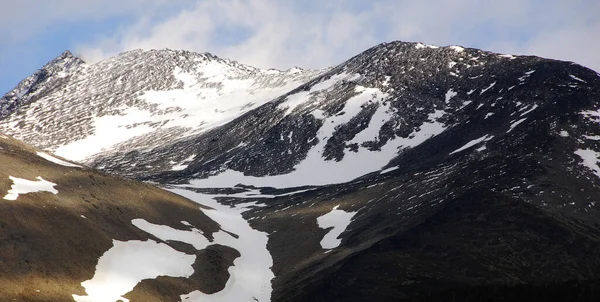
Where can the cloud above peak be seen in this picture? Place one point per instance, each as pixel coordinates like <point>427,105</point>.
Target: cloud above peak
<point>312,33</point>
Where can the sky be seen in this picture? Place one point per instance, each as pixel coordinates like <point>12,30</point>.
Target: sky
<point>287,33</point>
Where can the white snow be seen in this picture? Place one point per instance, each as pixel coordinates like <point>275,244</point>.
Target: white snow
<point>389,170</point>
<point>456,48</point>
<point>515,124</point>
<point>383,114</point>
<point>183,164</point>
<point>178,167</point>
<point>450,94</point>
<point>472,143</point>
<point>315,170</point>
<point>507,56</point>
<point>487,88</point>
<point>165,233</point>
<point>127,263</point>
<point>24,186</point>
<point>592,137</point>
<point>593,116</point>
<point>303,97</point>
<point>250,275</point>
<point>590,159</point>
<point>109,130</point>
<point>577,79</point>
<point>55,160</point>
<point>339,220</point>
<point>564,133</point>
<point>535,106</point>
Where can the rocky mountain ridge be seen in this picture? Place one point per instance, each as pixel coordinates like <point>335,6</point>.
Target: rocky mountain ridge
<point>409,172</point>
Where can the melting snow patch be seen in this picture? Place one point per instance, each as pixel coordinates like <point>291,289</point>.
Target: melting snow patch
<point>593,116</point>
<point>250,275</point>
<point>55,160</point>
<point>592,137</point>
<point>590,159</point>
<point>450,94</point>
<point>389,170</point>
<point>472,143</point>
<point>486,89</point>
<point>302,97</point>
<point>515,124</point>
<point>456,48</point>
<point>24,186</point>
<point>507,56</point>
<point>127,263</point>
<point>577,79</point>
<point>166,233</point>
<point>535,106</point>
<point>108,131</point>
<point>339,220</point>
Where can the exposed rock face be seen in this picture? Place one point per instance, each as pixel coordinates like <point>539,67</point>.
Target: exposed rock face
<point>465,174</point>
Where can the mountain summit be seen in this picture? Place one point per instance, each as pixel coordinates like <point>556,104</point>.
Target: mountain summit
<point>409,172</point>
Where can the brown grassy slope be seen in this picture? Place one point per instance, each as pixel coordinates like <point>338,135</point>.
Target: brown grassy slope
<point>47,247</point>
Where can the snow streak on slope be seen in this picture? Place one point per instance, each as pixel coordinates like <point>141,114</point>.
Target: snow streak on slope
<point>55,160</point>
<point>24,186</point>
<point>250,275</point>
<point>315,170</point>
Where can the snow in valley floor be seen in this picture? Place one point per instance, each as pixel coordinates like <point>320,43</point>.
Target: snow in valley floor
<point>129,262</point>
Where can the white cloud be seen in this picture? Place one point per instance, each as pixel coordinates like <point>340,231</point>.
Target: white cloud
<point>24,19</point>
<point>311,34</point>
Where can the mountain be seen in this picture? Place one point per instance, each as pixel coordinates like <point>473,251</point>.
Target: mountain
<point>408,172</point>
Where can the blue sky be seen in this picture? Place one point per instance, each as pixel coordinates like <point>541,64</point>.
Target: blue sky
<point>286,33</point>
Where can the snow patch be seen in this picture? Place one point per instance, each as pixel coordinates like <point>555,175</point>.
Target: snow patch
<point>389,170</point>
<point>515,124</point>
<point>450,94</point>
<point>24,186</point>
<point>592,137</point>
<point>127,263</point>
<point>472,143</point>
<point>590,159</point>
<point>487,88</point>
<point>456,48</point>
<point>577,79</point>
<point>299,98</point>
<point>339,220</point>
<point>55,160</point>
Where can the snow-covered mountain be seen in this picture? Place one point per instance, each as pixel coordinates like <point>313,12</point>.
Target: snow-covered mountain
<point>409,171</point>
<point>137,100</point>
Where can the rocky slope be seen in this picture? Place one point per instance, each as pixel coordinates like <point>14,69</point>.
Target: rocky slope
<point>67,230</point>
<point>408,172</point>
